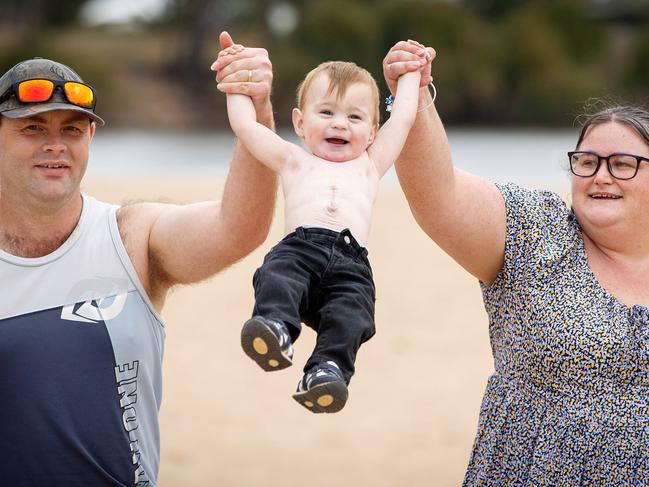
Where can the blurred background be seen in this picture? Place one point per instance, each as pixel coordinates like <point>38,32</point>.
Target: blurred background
<point>511,77</point>
<point>500,62</point>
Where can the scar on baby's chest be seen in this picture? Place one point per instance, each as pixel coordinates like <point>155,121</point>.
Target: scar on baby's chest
<point>333,204</point>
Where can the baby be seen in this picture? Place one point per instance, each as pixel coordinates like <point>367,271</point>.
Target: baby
<point>319,273</point>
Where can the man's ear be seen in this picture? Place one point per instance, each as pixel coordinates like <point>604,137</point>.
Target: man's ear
<point>296,114</point>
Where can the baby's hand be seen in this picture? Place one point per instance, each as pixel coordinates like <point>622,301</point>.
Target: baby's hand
<point>226,56</point>
<point>231,51</point>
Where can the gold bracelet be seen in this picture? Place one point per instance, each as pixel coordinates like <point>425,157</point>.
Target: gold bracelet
<point>432,101</point>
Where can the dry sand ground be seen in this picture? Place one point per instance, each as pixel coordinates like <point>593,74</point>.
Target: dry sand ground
<point>413,407</point>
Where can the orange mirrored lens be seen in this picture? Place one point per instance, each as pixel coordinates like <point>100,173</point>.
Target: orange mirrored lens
<point>35,90</point>
<point>79,94</point>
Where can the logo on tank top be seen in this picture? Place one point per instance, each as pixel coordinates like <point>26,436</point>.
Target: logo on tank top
<point>94,309</point>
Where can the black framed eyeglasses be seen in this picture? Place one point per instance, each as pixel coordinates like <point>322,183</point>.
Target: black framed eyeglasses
<point>620,166</point>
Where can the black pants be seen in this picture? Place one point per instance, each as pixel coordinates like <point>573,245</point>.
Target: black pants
<point>321,278</point>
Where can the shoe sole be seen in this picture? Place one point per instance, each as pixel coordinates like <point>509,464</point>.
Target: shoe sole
<point>261,345</point>
<point>329,397</point>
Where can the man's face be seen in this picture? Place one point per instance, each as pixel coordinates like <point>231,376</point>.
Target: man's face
<point>43,158</point>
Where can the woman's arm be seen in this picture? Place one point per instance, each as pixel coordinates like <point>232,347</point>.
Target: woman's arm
<point>463,213</point>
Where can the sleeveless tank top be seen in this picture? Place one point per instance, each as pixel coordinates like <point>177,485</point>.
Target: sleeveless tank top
<point>80,363</point>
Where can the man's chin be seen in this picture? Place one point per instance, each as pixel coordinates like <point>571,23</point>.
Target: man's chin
<point>52,193</point>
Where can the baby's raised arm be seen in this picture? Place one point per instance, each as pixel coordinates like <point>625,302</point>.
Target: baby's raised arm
<point>264,144</point>
<point>392,136</point>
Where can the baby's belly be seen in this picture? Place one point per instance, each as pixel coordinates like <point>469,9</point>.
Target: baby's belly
<point>336,219</point>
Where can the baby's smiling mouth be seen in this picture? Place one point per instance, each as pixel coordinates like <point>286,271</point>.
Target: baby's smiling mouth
<point>336,141</point>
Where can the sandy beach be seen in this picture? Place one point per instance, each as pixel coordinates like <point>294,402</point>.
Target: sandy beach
<point>414,401</point>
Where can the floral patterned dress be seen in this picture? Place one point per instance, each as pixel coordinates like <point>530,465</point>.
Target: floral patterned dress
<point>568,403</point>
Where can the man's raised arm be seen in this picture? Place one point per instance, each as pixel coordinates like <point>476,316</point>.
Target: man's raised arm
<point>175,244</point>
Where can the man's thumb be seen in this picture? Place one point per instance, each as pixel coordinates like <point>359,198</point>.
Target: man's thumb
<point>225,40</point>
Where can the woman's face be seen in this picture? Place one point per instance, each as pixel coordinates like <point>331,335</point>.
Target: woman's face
<point>601,201</point>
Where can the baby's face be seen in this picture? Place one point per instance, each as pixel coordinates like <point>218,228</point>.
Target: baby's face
<point>336,129</point>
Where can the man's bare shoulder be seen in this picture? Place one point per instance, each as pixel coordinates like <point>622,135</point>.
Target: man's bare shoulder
<point>137,217</point>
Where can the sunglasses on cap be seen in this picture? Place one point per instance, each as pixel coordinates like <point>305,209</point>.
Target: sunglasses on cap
<point>42,90</point>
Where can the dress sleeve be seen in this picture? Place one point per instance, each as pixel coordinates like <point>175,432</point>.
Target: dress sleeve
<point>534,219</point>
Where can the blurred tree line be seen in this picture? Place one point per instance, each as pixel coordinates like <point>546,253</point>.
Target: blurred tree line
<point>499,62</point>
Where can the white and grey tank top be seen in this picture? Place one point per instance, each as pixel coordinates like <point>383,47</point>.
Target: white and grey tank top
<point>80,363</point>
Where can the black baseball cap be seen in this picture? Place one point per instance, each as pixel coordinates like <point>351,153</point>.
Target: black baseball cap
<point>46,69</point>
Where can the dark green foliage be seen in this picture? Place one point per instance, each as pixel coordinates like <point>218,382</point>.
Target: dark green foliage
<point>638,73</point>
<point>340,30</point>
<point>466,70</point>
<point>498,61</point>
<point>38,13</point>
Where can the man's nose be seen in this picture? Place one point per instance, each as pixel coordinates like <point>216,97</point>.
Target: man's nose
<point>54,143</point>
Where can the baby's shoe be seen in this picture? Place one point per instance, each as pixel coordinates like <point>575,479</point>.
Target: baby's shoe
<point>267,342</point>
<point>322,389</point>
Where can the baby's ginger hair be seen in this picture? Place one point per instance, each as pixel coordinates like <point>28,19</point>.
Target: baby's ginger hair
<point>341,75</point>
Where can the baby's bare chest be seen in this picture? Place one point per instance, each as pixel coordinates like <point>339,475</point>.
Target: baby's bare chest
<point>346,178</point>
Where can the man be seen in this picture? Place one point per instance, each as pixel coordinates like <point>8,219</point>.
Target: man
<point>83,282</point>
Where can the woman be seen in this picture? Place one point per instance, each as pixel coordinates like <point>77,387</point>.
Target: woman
<point>566,291</point>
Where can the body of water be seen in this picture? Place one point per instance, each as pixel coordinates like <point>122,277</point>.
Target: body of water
<point>532,158</point>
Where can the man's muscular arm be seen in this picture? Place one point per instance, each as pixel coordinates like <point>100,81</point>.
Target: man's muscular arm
<point>174,244</point>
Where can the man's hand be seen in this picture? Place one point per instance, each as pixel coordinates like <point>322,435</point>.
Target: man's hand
<point>244,70</point>
<point>407,56</point>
